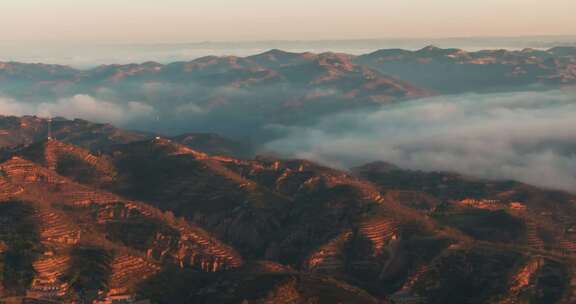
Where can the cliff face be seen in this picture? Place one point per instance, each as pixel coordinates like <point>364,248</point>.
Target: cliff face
<point>160,220</point>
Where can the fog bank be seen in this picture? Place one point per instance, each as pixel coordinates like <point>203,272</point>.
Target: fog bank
<point>525,136</point>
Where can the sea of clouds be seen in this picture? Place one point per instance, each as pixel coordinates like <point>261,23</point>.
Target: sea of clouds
<point>525,136</point>
<point>80,106</point>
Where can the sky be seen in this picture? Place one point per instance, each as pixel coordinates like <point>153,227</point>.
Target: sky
<point>167,21</point>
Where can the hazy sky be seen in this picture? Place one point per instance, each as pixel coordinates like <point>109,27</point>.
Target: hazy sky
<point>152,21</point>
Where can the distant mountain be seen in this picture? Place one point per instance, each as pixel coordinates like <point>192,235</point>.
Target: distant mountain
<point>250,97</point>
<point>456,71</point>
<point>277,58</point>
<point>156,219</point>
<point>15,71</point>
<point>306,70</point>
<point>274,88</point>
<point>481,70</point>
<point>100,212</point>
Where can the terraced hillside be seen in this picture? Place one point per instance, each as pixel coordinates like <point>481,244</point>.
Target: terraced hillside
<point>151,219</point>
<point>71,220</point>
<point>385,240</point>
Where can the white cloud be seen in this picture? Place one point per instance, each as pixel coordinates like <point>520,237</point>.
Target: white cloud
<point>9,106</point>
<point>526,136</point>
<point>80,106</point>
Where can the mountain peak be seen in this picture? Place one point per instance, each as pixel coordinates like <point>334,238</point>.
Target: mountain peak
<point>430,48</point>
<point>388,52</point>
<point>276,52</point>
<point>437,51</point>
<point>278,58</point>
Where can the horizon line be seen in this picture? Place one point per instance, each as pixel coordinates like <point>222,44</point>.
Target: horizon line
<point>247,41</point>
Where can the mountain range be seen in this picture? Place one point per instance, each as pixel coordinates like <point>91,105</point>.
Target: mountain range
<point>245,97</point>
<point>97,213</point>
<point>379,71</point>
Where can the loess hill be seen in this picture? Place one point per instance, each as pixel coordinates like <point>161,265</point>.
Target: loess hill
<point>152,218</point>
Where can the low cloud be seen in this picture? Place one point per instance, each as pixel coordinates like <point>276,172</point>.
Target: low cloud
<point>80,106</point>
<point>526,136</point>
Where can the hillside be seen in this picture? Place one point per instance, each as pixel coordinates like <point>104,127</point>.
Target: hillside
<point>159,220</point>
<point>75,232</point>
<point>16,131</point>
